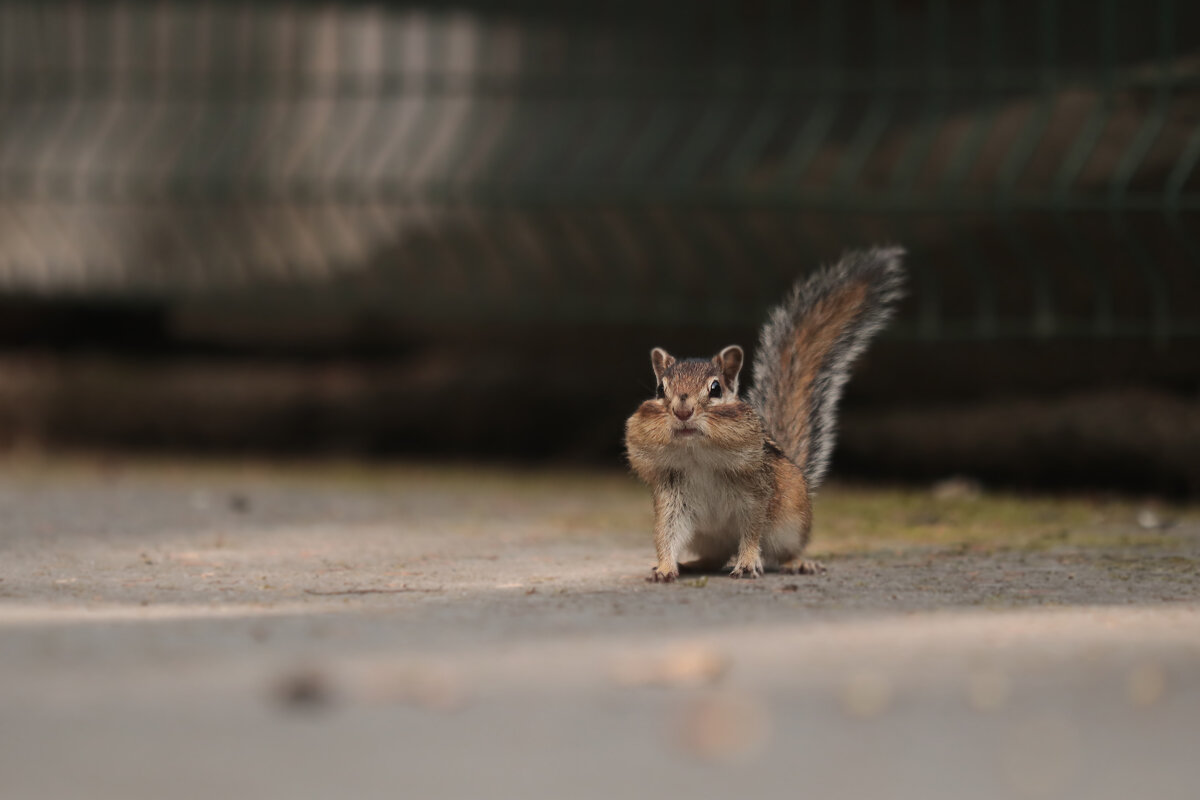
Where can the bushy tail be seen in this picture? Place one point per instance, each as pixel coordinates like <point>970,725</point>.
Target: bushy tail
<point>808,345</point>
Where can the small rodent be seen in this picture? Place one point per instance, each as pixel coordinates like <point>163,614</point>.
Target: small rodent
<point>732,478</point>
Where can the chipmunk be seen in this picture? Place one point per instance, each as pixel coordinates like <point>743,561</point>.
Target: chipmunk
<point>735,478</point>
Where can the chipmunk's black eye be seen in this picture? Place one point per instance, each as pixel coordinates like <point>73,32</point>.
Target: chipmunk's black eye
<point>714,390</point>
<point>658,391</point>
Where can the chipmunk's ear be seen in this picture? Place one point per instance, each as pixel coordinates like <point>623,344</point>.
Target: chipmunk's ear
<point>730,361</point>
<point>660,360</point>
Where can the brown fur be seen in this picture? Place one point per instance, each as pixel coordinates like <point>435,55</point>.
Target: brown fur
<point>733,478</point>
<point>719,446</point>
<point>801,362</point>
<point>809,343</point>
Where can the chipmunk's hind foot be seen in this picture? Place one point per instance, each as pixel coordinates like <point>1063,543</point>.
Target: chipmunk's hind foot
<point>802,566</point>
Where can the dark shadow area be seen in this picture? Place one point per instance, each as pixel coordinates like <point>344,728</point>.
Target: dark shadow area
<point>1116,415</point>
<point>455,231</point>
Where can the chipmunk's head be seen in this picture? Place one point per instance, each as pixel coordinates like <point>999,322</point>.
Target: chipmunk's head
<point>688,388</point>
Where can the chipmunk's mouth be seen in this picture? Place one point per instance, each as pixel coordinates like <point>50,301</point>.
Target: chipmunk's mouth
<point>687,431</point>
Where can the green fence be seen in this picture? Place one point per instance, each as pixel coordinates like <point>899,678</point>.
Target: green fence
<point>615,163</point>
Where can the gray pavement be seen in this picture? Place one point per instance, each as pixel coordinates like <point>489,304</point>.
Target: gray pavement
<point>184,630</point>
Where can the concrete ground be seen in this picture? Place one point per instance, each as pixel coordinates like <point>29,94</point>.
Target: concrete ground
<point>215,630</point>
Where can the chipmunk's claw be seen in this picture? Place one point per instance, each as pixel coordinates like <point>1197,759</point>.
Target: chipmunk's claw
<point>803,567</point>
<point>748,571</point>
<point>658,575</point>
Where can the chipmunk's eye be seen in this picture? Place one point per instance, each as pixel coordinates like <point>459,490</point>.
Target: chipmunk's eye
<point>714,390</point>
<point>658,391</point>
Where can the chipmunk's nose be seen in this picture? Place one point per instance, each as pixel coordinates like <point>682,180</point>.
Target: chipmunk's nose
<point>683,413</point>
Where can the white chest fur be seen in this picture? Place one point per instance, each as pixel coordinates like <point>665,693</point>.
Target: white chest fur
<point>710,506</point>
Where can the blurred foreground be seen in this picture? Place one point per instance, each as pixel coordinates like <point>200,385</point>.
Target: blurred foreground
<point>324,630</point>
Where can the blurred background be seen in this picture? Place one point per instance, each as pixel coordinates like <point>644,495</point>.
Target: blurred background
<point>456,229</point>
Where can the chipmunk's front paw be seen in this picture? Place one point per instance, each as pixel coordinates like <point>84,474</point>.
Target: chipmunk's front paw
<point>747,568</point>
<point>663,574</point>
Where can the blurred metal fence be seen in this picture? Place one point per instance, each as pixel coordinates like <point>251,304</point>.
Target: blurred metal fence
<point>619,162</point>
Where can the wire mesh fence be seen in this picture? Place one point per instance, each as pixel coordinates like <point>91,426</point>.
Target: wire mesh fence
<point>620,162</point>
